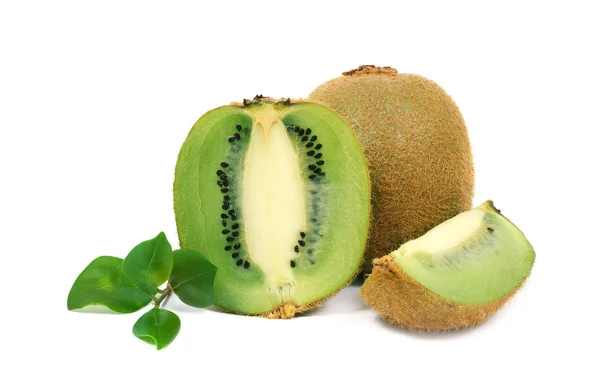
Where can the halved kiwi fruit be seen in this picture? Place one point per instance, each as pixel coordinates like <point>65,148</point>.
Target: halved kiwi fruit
<point>455,276</point>
<point>277,195</point>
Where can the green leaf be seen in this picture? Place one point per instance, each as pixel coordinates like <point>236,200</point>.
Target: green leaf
<point>103,282</point>
<point>193,278</point>
<point>158,327</point>
<point>149,264</point>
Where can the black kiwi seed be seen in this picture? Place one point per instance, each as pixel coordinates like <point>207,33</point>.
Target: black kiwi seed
<point>318,170</point>
<point>225,182</point>
<point>320,162</point>
<point>224,165</point>
<point>238,263</point>
<point>308,131</point>
<point>301,132</point>
<point>318,146</point>
<point>302,234</point>
<point>231,212</point>
<point>220,183</point>
<point>229,239</point>
<point>237,136</point>
<point>224,216</point>
<point>312,139</point>
<point>310,153</point>
<point>231,139</point>
<point>296,249</point>
<point>296,128</point>
<point>292,263</point>
<point>236,246</point>
<point>322,173</point>
<point>312,167</point>
<point>302,243</point>
<point>309,144</point>
<point>235,255</point>
<point>225,231</point>
<point>312,177</point>
<point>304,138</point>
<point>224,190</point>
<point>226,198</point>
<point>224,223</point>
<point>223,176</point>
<point>220,172</point>
<point>236,226</point>
<point>228,248</point>
<point>319,155</point>
<point>290,129</point>
<point>238,127</point>
<point>490,229</point>
<point>235,233</point>
<point>226,206</point>
<point>246,264</point>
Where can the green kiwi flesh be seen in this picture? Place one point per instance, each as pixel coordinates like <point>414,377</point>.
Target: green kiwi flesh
<point>474,258</point>
<point>277,195</point>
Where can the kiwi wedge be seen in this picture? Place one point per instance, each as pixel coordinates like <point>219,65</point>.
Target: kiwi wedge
<point>277,195</point>
<point>455,276</point>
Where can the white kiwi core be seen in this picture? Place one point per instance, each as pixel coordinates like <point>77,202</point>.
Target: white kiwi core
<point>273,199</point>
<point>447,235</point>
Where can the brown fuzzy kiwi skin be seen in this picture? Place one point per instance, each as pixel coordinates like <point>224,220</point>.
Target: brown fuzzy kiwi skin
<point>417,149</point>
<point>401,300</point>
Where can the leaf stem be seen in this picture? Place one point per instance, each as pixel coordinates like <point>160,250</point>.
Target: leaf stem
<point>165,293</point>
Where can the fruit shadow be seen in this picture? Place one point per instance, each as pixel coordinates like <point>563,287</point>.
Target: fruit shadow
<point>96,309</point>
<point>444,335</point>
<point>345,302</point>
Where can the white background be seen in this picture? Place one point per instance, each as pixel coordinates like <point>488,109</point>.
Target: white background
<point>97,97</point>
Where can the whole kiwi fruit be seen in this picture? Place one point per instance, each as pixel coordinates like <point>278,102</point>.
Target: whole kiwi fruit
<point>417,149</point>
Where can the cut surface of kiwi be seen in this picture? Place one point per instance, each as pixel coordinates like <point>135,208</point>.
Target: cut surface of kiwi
<point>276,194</point>
<point>455,276</point>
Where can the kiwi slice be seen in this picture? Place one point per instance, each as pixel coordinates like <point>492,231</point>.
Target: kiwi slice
<point>455,276</point>
<point>277,195</point>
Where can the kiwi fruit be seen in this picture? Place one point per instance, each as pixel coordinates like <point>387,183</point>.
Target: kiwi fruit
<point>417,149</point>
<point>277,195</point>
<point>455,276</point>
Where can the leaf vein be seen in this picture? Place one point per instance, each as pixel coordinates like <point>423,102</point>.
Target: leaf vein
<point>148,286</point>
<point>190,279</point>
